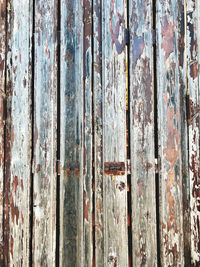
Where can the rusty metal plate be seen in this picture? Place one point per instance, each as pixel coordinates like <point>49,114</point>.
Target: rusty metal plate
<point>114,168</point>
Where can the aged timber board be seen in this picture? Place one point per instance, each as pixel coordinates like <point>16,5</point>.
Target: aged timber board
<point>45,123</point>
<point>143,190</point>
<point>171,88</point>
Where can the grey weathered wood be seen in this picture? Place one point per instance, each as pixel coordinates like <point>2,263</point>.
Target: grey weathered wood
<point>17,135</point>
<point>114,132</point>
<point>88,136</point>
<point>71,134</point>
<point>2,97</point>
<point>45,123</point>
<point>98,135</point>
<point>171,90</point>
<point>193,49</point>
<point>144,252</point>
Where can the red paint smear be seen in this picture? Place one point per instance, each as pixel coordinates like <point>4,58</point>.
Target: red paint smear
<point>15,183</point>
<point>14,210</point>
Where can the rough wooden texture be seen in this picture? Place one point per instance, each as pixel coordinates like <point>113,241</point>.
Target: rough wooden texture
<point>2,97</point>
<point>142,135</point>
<point>193,125</point>
<point>18,134</point>
<point>71,135</point>
<point>170,68</point>
<point>88,132</point>
<point>44,169</point>
<point>98,133</point>
<point>114,132</point>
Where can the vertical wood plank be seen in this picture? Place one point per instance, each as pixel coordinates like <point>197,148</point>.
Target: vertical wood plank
<point>98,134</point>
<point>71,136</point>
<point>18,134</point>
<point>45,104</point>
<point>2,97</point>
<point>114,132</point>
<point>171,90</point>
<point>144,236</point>
<point>193,125</point>
<point>88,136</point>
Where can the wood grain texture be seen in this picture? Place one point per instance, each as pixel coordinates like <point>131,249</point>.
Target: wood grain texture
<point>193,49</point>
<point>18,133</point>
<point>45,105</point>
<point>114,132</point>
<point>171,90</point>
<point>98,133</point>
<point>88,136</point>
<point>71,137</point>
<point>17,136</point>
<point>141,73</point>
<point>2,97</point>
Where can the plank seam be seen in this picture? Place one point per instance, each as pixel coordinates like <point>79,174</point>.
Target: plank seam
<point>154,43</point>
<point>32,125</point>
<point>129,195</point>
<point>57,256</point>
<point>5,131</point>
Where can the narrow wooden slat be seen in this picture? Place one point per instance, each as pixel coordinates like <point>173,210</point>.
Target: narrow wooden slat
<point>17,135</point>
<point>2,97</point>
<point>143,189</point>
<point>71,135</point>
<point>88,132</point>
<point>193,49</point>
<point>98,134</point>
<point>114,132</point>
<point>18,132</point>
<point>45,103</point>
<point>171,90</point>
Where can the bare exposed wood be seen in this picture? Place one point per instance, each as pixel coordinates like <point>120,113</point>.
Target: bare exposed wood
<point>114,132</point>
<point>171,86</point>
<point>72,140</point>
<point>98,133</point>
<point>45,90</point>
<point>2,97</point>
<point>142,134</point>
<point>193,49</point>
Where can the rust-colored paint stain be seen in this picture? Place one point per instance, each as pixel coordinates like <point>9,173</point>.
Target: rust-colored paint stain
<point>72,169</point>
<point>194,70</point>
<point>114,168</point>
<point>15,183</point>
<point>171,153</point>
<point>168,37</point>
<point>14,210</point>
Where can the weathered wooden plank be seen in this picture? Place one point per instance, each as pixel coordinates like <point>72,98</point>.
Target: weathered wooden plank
<point>45,105</point>
<point>114,208</point>
<point>171,90</point>
<point>18,135</point>
<point>98,133</point>
<point>88,136</point>
<point>2,97</point>
<point>141,74</point>
<point>71,135</point>
<point>193,49</point>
